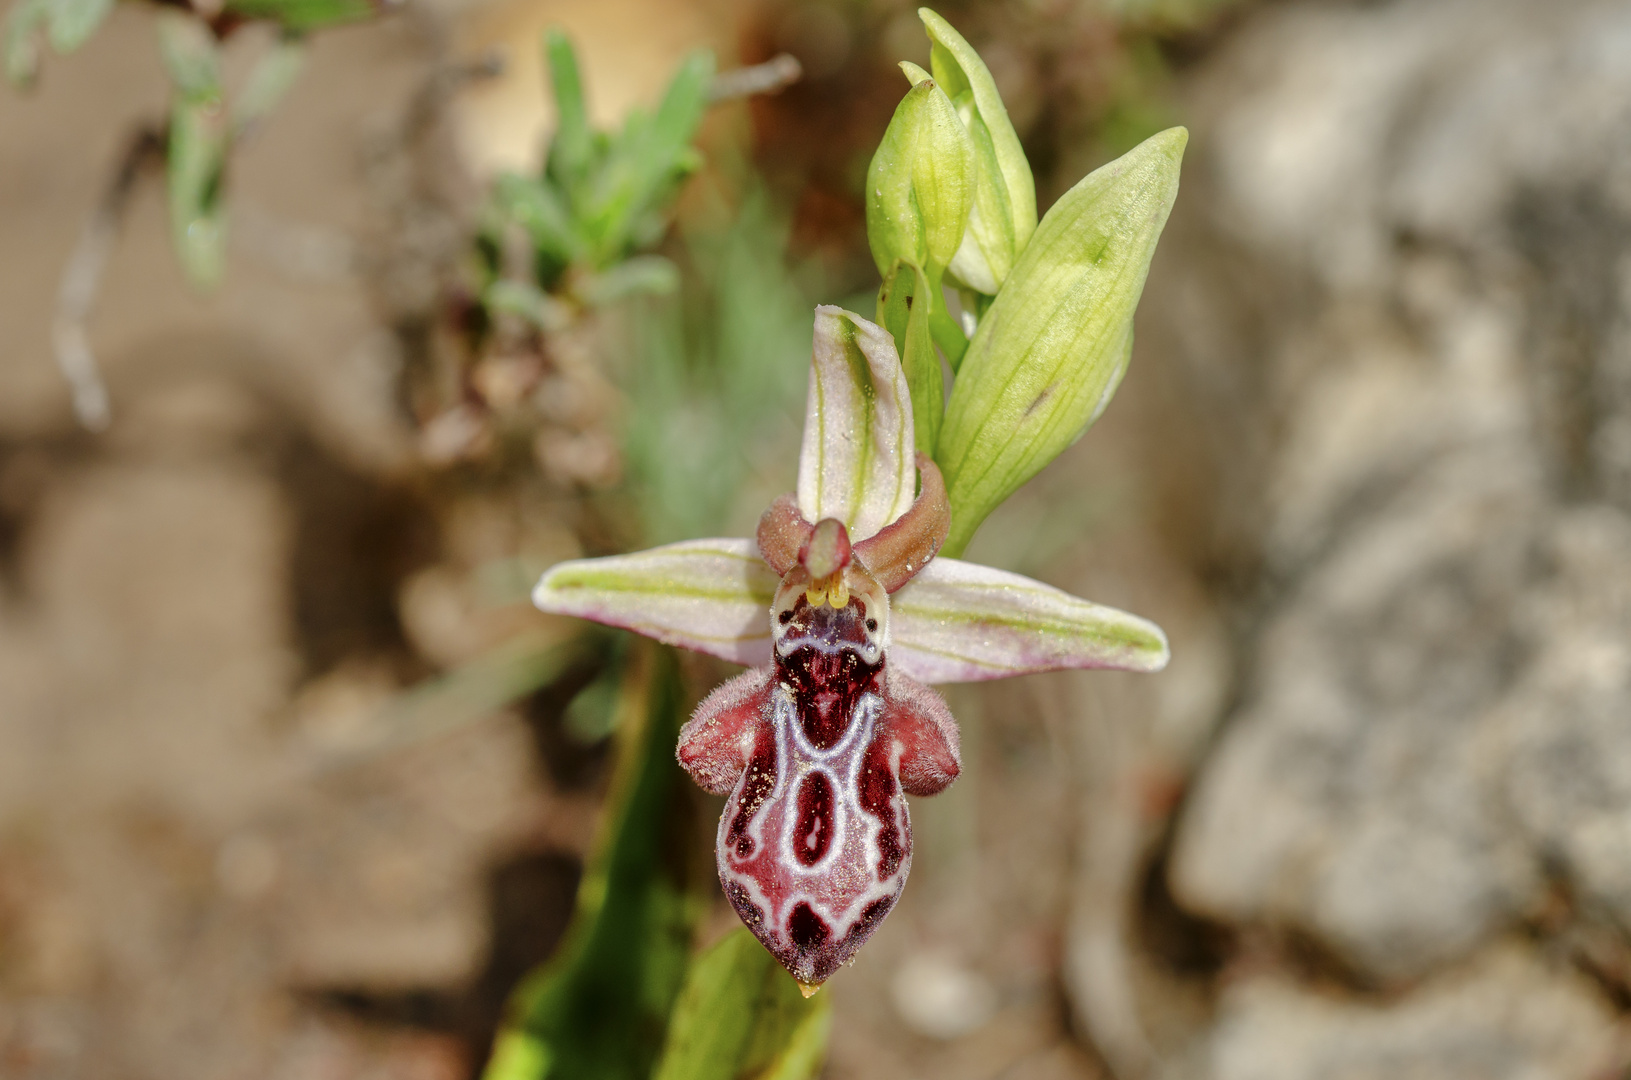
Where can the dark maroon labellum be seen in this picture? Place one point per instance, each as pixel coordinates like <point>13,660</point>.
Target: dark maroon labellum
<point>815,842</point>
<point>812,837</point>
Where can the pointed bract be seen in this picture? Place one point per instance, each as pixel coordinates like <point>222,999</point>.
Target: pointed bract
<point>1050,351</point>
<point>905,307</point>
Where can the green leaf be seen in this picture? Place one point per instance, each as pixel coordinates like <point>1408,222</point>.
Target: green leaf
<point>21,47</point>
<point>487,683</point>
<point>196,159</point>
<point>904,303</point>
<point>72,22</point>
<point>675,124</point>
<point>1051,350</point>
<point>269,80</point>
<point>600,1007</point>
<point>645,163</point>
<point>528,301</point>
<point>538,208</point>
<point>1003,216</point>
<point>920,184</point>
<point>189,53</point>
<point>571,149</point>
<point>302,15</point>
<point>741,1017</point>
<point>648,275</point>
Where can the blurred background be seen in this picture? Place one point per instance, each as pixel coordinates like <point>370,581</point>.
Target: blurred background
<point>294,783</point>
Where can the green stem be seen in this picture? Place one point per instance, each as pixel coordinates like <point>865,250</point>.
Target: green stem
<point>943,328</point>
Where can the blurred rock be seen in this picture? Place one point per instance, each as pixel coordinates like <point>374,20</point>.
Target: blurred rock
<point>941,998</point>
<point>1509,1015</point>
<point>1398,301</point>
<point>198,606</point>
<point>174,862</point>
<point>1562,730</point>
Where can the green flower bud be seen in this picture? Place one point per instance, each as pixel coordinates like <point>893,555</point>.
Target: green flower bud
<point>920,183</point>
<point>1003,210</point>
<point>1051,350</point>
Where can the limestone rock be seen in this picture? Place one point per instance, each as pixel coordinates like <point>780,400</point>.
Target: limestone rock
<point>1431,738</point>
<point>1507,1016</point>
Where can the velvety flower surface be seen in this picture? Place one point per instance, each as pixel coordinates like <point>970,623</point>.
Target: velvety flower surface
<point>843,613</point>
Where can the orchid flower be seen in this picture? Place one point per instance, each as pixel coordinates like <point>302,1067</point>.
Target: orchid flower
<point>842,612</point>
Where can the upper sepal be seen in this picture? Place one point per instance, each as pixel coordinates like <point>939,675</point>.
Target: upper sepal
<point>857,460</point>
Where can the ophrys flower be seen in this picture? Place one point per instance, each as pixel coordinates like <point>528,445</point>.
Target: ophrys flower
<point>843,613</point>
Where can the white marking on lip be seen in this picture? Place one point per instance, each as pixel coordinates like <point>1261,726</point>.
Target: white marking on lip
<point>790,823</point>
<point>862,722</point>
<point>788,645</point>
